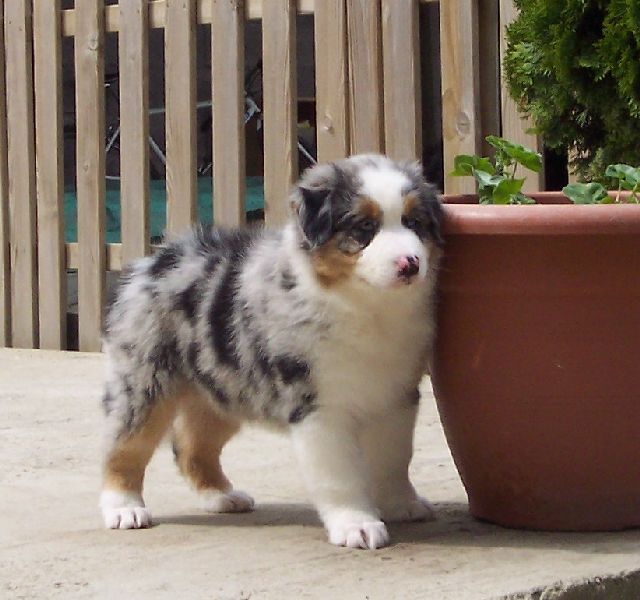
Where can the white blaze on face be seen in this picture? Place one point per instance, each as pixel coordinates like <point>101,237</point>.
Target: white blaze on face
<point>378,263</point>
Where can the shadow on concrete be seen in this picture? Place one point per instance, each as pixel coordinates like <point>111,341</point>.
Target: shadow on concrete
<point>268,514</point>
<point>454,527</point>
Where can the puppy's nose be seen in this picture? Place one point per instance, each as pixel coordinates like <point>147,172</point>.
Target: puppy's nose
<point>407,266</point>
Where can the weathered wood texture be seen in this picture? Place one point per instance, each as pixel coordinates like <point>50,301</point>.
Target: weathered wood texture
<point>332,105</point>
<point>52,283</point>
<point>460,87</point>
<point>5,256</point>
<point>180,97</point>
<point>158,13</point>
<point>227,80</point>
<point>365,76</point>
<point>90,170</point>
<point>402,92</point>
<point>280,106</point>
<point>134,127</point>
<point>22,176</point>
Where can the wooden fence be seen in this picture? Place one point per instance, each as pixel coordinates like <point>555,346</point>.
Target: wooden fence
<point>367,77</point>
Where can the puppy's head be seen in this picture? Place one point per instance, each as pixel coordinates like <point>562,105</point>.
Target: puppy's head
<point>369,218</point>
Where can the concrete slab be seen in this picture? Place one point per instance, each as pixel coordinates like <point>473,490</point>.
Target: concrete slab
<point>52,546</point>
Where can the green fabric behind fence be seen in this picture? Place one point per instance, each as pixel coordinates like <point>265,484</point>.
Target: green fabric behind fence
<point>254,200</point>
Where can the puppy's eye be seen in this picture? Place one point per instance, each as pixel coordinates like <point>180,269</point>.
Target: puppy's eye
<point>411,223</point>
<point>367,225</point>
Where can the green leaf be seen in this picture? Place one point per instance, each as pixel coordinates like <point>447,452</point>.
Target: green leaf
<point>526,157</point>
<point>585,193</point>
<point>484,164</point>
<point>464,164</point>
<point>506,189</point>
<point>520,198</point>
<point>628,176</point>
<point>486,180</point>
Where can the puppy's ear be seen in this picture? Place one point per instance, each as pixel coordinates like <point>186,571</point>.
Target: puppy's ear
<point>317,199</point>
<point>429,199</point>
<point>436,213</point>
<point>413,168</point>
<point>314,215</point>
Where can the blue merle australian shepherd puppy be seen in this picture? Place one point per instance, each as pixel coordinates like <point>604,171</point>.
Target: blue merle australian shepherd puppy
<point>321,329</point>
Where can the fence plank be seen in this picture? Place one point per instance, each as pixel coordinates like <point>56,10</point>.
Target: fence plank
<point>460,87</point>
<point>21,163</point>
<point>134,127</point>
<point>47,49</point>
<point>365,76</point>
<point>5,257</point>
<point>514,126</point>
<point>332,130</point>
<point>402,90</point>
<point>280,106</point>
<point>157,16</point>
<point>113,256</point>
<point>227,93</point>
<point>180,97</point>
<point>89,57</point>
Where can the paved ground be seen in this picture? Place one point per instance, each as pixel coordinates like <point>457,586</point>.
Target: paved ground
<point>52,546</point>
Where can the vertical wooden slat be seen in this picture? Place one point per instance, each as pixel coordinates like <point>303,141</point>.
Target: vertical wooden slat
<point>227,93</point>
<point>365,76</point>
<point>89,57</point>
<point>280,106</point>
<point>332,135</point>
<point>21,163</point>
<point>402,90</point>
<point>5,257</point>
<point>460,89</point>
<point>134,127</point>
<point>47,48</point>
<point>514,126</point>
<point>180,97</point>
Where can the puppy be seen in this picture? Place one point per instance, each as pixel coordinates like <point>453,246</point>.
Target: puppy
<point>321,329</point>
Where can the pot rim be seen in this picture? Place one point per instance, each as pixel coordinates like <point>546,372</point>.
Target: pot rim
<point>554,215</point>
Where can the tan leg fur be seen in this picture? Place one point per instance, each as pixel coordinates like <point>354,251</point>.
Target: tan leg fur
<point>199,435</point>
<point>127,460</point>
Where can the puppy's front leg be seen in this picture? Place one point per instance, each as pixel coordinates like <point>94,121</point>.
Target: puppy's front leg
<point>387,442</point>
<point>333,465</point>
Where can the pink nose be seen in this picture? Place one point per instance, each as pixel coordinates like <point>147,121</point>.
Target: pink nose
<point>407,266</point>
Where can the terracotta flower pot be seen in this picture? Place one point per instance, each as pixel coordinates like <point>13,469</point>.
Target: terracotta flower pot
<point>536,369</point>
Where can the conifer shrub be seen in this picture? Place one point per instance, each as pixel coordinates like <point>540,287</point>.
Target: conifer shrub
<point>574,66</point>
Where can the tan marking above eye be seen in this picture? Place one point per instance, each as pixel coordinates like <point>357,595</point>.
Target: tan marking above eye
<point>367,207</point>
<point>410,202</point>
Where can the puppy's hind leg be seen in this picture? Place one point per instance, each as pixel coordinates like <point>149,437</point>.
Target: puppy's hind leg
<point>131,440</point>
<point>200,434</point>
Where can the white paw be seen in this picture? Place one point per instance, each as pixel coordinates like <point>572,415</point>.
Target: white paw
<point>124,510</point>
<point>356,530</point>
<point>227,502</point>
<point>415,508</point>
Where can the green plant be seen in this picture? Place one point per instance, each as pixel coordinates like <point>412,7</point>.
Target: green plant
<point>628,179</point>
<point>497,182</point>
<point>574,66</point>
